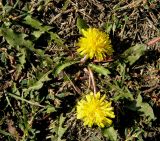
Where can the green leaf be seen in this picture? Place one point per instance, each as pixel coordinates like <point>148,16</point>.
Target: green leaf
<point>61,130</point>
<point>108,27</point>
<point>120,93</point>
<point>3,57</point>
<point>145,108</point>
<point>114,28</point>
<point>37,34</point>
<point>22,56</point>
<point>81,24</point>
<point>50,109</point>
<point>22,60</point>
<point>15,39</point>
<point>18,40</point>
<point>38,84</point>
<point>100,69</point>
<point>42,29</point>
<point>5,133</point>
<point>66,4</point>
<point>56,38</point>
<point>110,133</point>
<point>15,89</point>
<point>132,54</point>
<point>121,69</point>
<point>57,129</point>
<point>133,134</point>
<point>61,67</point>
<point>139,99</point>
<point>32,22</point>
<point>36,24</point>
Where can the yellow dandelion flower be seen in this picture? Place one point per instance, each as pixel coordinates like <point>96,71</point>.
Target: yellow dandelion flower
<point>95,43</point>
<point>95,110</point>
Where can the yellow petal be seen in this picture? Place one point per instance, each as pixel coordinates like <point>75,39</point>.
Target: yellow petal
<point>94,43</point>
<point>95,110</point>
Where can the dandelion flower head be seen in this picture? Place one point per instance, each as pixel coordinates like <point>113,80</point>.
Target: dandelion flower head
<point>95,44</point>
<point>95,110</point>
